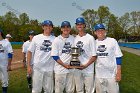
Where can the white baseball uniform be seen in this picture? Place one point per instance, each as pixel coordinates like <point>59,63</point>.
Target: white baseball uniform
<point>6,39</point>
<point>62,47</point>
<point>87,47</point>
<point>25,50</point>
<point>43,63</point>
<point>107,51</point>
<point>5,48</point>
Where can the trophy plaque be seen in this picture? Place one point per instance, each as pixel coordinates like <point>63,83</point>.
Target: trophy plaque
<point>75,52</point>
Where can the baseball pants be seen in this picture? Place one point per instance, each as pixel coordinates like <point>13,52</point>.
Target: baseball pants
<point>88,80</point>
<point>106,85</point>
<point>42,80</point>
<point>63,81</point>
<point>77,80</point>
<point>4,76</point>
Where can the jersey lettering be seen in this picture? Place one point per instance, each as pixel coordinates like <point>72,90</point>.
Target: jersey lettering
<point>80,45</point>
<point>46,46</point>
<point>67,48</point>
<point>1,49</point>
<point>102,54</point>
<point>102,49</point>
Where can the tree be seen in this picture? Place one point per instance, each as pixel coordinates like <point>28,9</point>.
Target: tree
<point>56,31</point>
<point>124,22</point>
<point>114,28</point>
<point>10,22</point>
<point>135,19</point>
<point>90,16</point>
<point>103,14</point>
<point>24,19</point>
<point>100,16</point>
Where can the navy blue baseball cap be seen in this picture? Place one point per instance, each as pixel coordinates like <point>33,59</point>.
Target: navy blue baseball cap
<point>99,26</point>
<point>47,22</point>
<point>65,23</point>
<point>80,20</point>
<point>31,32</point>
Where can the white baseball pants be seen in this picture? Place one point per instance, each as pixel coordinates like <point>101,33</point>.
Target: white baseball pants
<point>42,79</point>
<point>4,76</point>
<point>106,85</point>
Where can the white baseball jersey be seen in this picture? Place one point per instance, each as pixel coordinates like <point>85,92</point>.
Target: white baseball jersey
<point>6,39</point>
<point>25,49</point>
<point>41,47</point>
<point>107,51</point>
<point>5,48</point>
<point>88,49</point>
<point>62,47</point>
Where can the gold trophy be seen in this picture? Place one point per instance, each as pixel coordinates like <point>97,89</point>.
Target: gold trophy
<point>75,52</point>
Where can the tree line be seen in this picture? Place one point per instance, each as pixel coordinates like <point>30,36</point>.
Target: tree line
<point>118,27</point>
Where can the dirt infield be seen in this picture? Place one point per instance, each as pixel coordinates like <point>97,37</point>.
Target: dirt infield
<point>17,59</point>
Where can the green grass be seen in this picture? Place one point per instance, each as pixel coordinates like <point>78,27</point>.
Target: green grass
<point>130,74</point>
<point>19,46</point>
<point>17,82</point>
<point>130,77</point>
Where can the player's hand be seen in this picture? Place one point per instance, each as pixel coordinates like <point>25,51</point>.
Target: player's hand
<point>118,77</point>
<point>24,63</point>
<point>9,68</point>
<point>82,67</point>
<point>29,70</point>
<point>67,66</point>
<point>75,67</point>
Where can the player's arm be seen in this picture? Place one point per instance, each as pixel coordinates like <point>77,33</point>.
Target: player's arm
<point>59,61</point>
<point>24,59</point>
<point>31,50</point>
<point>92,48</point>
<point>118,62</point>
<point>91,60</point>
<point>119,55</point>
<point>10,56</point>
<point>24,55</point>
<point>29,57</point>
<point>24,52</point>
<point>55,53</point>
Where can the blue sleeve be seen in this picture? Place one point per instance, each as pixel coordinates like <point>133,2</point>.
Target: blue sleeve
<point>119,60</point>
<point>55,58</point>
<point>10,55</point>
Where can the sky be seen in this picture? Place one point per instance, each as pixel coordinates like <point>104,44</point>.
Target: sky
<point>65,10</point>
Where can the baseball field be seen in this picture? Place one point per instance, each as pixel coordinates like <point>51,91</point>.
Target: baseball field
<point>130,82</point>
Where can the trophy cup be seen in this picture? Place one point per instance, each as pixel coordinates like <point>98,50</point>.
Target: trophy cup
<point>75,52</point>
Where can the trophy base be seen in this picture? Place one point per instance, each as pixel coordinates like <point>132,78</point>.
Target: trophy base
<point>74,63</point>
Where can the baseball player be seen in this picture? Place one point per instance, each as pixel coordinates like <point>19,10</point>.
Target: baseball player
<point>61,49</point>
<point>43,63</point>
<point>5,54</point>
<point>8,38</point>
<point>24,51</point>
<point>86,43</point>
<point>108,64</point>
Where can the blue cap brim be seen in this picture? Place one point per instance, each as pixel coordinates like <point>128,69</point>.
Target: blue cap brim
<point>99,28</point>
<point>80,23</point>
